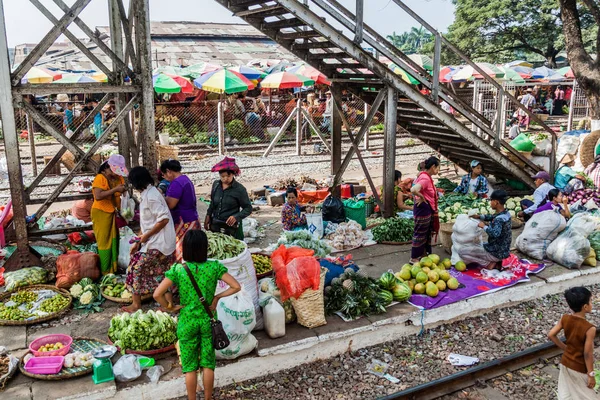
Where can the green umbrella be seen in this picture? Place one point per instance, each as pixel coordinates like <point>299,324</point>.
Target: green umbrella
<point>165,84</point>
<point>511,75</point>
<point>423,61</point>
<point>405,75</point>
<point>169,70</point>
<point>196,70</point>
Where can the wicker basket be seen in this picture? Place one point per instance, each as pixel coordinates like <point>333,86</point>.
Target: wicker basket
<point>446,236</point>
<point>166,152</point>
<point>310,306</point>
<point>4,296</point>
<point>587,149</point>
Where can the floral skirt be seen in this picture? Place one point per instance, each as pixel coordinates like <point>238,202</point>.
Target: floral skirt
<point>146,271</point>
<point>180,230</point>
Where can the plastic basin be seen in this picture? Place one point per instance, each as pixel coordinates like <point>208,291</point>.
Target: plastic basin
<point>66,340</point>
<point>45,365</point>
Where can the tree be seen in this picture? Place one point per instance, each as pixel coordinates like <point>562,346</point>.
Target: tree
<point>502,30</point>
<point>411,42</point>
<point>585,63</point>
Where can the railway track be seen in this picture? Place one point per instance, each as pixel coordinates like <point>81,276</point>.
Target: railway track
<point>481,373</point>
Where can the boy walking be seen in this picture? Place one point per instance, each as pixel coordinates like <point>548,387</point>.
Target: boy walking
<point>577,378</point>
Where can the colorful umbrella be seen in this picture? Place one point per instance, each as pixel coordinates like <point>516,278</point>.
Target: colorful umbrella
<point>542,73</point>
<point>248,72</point>
<point>447,72</point>
<point>511,75</point>
<point>469,73</point>
<point>567,72</point>
<point>525,72</point>
<point>406,77</point>
<point>196,70</point>
<point>76,78</point>
<point>223,81</point>
<point>519,63</point>
<point>423,61</point>
<point>100,77</point>
<point>164,83</point>
<point>279,67</point>
<point>555,77</point>
<point>169,70</point>
<point>285,80</point>
<point>41,75</point>
<point>310,72</point>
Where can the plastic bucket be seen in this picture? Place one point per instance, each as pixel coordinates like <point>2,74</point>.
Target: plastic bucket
<point>163,139</point>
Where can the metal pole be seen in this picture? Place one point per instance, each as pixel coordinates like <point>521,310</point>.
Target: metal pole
<point>336,132</point>
<point>437,49</point>
<point>499,119</point>
<point>389,152</point>
<point>280,133</point>
<point>221,128</point>
<point>571,107</point>
<point>365,113</point>
<point>358,32</point>
<point>31,138</point>
<point>298,112</point>
<point>9,128</point>
<point>147,129</point>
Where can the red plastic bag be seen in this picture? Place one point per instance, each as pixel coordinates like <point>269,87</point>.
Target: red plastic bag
<point>1,276</point>
<point>74,266</point>
<point>295,271</point>
<point>85,237</point>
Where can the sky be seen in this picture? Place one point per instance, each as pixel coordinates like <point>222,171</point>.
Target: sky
<point>25,24</point>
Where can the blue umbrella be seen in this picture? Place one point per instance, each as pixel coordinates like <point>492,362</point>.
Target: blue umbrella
<point>542,72</point>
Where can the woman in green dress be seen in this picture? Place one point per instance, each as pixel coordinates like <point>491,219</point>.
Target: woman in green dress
<point>193,328</point>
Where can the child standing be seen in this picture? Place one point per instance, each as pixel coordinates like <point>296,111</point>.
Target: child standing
<point>576,380</point>
<point>193,329</point>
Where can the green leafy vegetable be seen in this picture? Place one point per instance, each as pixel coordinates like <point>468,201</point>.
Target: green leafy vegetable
<point>362,297</point>
<point>446,184</point>
<point>305,240</point>
<point>143,331</point>
<point>394,230</point>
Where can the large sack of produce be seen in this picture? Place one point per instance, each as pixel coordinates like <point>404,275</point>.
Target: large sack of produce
<point>296,270</point>
<point>539,232</point>
<point>569,249</point>
<point>74,266</point>
<point>24,277</point>
<point>237,315</point>
<point>567,144</point>
<point>584,224</point>
<point>241,268</point>
<point>465,232</point>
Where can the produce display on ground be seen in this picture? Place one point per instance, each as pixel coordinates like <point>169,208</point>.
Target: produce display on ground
<point>446,184</point>
<point>305,240</point>
<point>29,305</point>
<point>114,286</point>
<point>585,196</point>
<point>222,247</point>
<point>429,276</point>
<point>453,204</point>
<point>262,263</point>
<point>151,330</point>
<point>348,235</point>
<point>25,277</point>
<point>353,295</point>
<point>87,295</point>
<point>394,229</point>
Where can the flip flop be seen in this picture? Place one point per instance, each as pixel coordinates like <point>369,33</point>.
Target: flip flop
<point>125,310</point>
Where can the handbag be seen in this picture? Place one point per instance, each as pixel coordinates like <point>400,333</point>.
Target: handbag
<point>219,337</point>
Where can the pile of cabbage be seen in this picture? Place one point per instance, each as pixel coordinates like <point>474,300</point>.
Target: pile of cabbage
<point>144,331</point>
<point>470,206</point>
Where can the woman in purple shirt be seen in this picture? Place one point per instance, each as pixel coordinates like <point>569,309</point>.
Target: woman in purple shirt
<point>181,199</point>
<point>556,202</point>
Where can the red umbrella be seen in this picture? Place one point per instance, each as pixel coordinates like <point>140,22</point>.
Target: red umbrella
<point>186,85</point>
<point>312,73</point>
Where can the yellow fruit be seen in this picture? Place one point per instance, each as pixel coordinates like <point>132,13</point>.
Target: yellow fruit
<point>447,263</point>
<point>433,276</point>
<point>405,274</point>
<point>415,270</point>
<point>434,258</point>
<point>417,264</point>
<point>452,283</point>
<point>419,288</point>
<point>426,262</point>
<point>431,289</point>
<point>460,266</point>
<point>441,285</point>
<point>411,284</point>
<point>444,275</point>
<point>407,266</point>
<point>421,277</point>
<point>426,270</point>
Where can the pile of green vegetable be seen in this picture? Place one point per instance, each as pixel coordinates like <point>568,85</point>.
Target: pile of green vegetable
<point>594,239</point>
<point>87,295</point>
<point>54,304</point>
<point>222,247</point>
<point>143,331</point>
<point>446,184</point>
<point>394,230</point>
<point>305,240</point>
<point>353,295</point>
<point>112,286</point>
<point>21,306</point>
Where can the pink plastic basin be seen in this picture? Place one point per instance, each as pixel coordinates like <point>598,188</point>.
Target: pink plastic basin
<point>66,340</point>
<point>45,365</point>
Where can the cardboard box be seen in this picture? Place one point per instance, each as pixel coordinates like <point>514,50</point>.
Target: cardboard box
<point>358,189</point>
<point>276,199</point>
<point>258,192</point>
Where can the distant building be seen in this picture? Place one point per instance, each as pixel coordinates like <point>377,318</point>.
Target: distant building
<point>22,50</point>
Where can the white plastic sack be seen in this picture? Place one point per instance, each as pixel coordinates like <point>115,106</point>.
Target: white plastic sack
<point>267,289</point>
<point>315,225</point>
<point>250,227</point>
<point>238,317</point>
<point>567,144</point>
<point>127,207</point>
<point>542,147</point>
<point>569,249</point>
<point>583,223</point>
<point>125,234</point>
<point>127,369</point>
<point>465,232</point>
<point>542,162</point>
<point>242,269</point>
<point>539,232</point>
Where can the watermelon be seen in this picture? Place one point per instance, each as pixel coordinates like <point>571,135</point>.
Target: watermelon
<point>401,292</point>
<point>387,280</point>
<point>386,297</point>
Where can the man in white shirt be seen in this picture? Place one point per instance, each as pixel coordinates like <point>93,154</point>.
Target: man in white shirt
<point>540,196</point>
<point>326,125</point>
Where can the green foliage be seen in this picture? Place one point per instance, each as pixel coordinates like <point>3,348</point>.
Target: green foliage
<point>413,41</point>
<point>236,129</point>
<point>377,128</point>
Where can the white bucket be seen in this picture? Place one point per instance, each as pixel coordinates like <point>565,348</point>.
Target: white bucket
<point>163,138</point>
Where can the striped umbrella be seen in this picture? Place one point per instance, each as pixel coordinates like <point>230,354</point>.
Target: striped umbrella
<point>196,70</point>
<point>41,75</point>
<point>542,73</point>
<point>406,77</point>
<point>519,63</point>
<point>164,83</point>
<point>285,80</point>
<point>76,78</point>
<point>447,72</point>
<point>248,72</point>
<point>423,61</point>
<point>525,72</point>
<point>469,73</point>
<point>310,72</point>
<point>223,81</point>
<point>567,72</point>
<point>511,75</point>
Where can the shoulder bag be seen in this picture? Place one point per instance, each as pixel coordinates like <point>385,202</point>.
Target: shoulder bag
<point>219,337</point>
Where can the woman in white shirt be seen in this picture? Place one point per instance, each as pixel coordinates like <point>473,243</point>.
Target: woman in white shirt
<point>154,251</point>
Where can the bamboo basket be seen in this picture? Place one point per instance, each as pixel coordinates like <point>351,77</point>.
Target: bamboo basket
<point>587,148</point>
<point>6,295</point>
<point>166,152</point>
<point>310,306</point>
<point>446,236</point>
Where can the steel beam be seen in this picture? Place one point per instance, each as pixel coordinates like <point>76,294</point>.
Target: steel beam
<point>326,30</point>
<point>358,31</point>
<point>437,56</point>
<point>389,151</point>
<point>336,132</point>
<point>43,89</point>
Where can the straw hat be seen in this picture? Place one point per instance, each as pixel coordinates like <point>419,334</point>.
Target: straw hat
<point>62,98</point>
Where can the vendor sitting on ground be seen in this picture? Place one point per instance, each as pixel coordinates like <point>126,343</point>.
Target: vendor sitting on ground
<point>491,254</point>
<point>292,217</point>
<point>474,182</point>
<point>556,202</point>
<point>540,195</point>
<point>401,192</point>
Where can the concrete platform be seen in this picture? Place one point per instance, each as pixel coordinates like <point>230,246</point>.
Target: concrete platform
<point>300,345</point>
